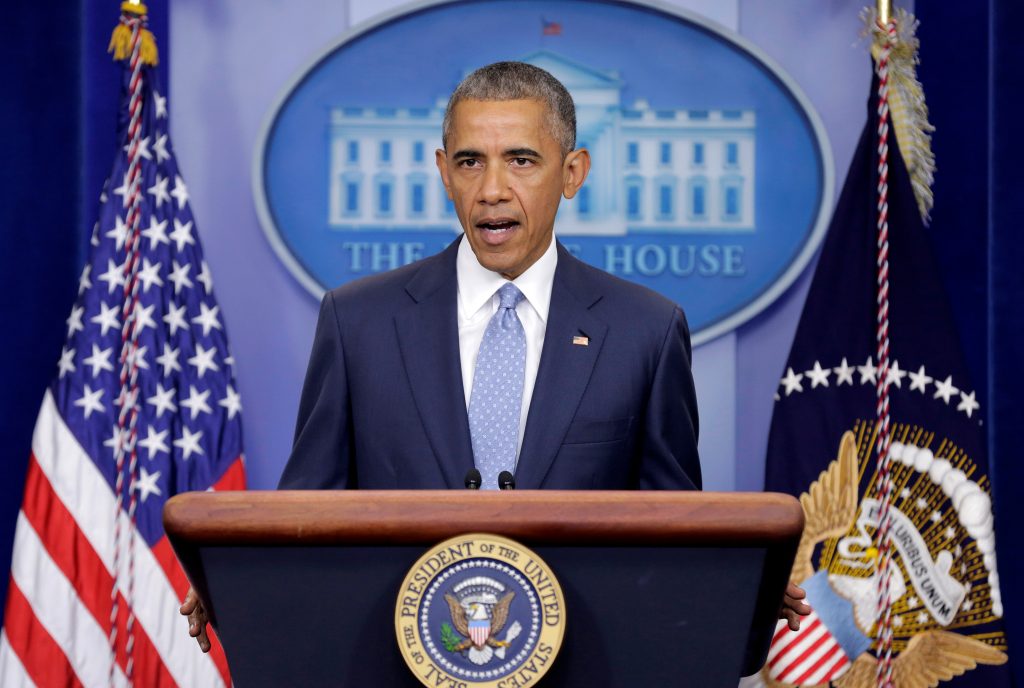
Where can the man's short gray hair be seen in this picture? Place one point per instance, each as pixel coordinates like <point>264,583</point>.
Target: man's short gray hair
<point>518,81</point>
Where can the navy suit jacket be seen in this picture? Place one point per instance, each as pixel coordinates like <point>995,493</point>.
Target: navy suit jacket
<point>383,404</point>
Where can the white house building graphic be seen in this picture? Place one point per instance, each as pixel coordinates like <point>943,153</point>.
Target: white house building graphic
<point>655,170</point>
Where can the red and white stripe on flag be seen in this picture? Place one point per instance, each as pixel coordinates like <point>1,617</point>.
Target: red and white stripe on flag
<point>57,619</point>
<point>807,657</point>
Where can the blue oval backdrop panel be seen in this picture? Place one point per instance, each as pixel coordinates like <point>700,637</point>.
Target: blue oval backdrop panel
<point>711,177</point>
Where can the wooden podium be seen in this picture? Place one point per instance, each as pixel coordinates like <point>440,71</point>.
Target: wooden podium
<point>661,588</point>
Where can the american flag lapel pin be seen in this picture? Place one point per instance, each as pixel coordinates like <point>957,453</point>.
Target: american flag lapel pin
<point>581,340</point>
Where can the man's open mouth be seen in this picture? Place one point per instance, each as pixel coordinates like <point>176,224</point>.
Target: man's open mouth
<point>498,226</point>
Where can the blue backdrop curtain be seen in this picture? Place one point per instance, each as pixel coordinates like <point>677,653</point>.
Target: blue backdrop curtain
<point>971,57</point>
<point>1006,304</point>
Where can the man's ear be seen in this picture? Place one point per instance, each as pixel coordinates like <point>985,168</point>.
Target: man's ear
<point>441,158</point>
<point>575,168</point>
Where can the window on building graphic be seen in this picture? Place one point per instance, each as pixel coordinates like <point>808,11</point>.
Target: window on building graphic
<point>698,197</point>
<point>665,195</point>
<point>732,202</point>
<point>351,198</point>
<point>349,187</point>
<point>732,198</point>
<point>385,151</point>
<point>384,191</point>
<point>698,154</point>
<point>698,201</point>
<point>416,200</point>
<point>633,153</point>
<point>417,185</point>
<point>353,151</point>
<point>633,202</point>
<point>417,151</point>
<point>583,202</point>
<point>732,153</point>
<point>634,198</point>
<point>666,153</point>
<point>448,208</point>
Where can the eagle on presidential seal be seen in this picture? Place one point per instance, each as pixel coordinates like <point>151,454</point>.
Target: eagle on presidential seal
<point>479,609</point>
<point>474,622</point>
<point>944,575</point>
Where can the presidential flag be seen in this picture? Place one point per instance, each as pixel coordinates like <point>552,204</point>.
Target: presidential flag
<point>143,405</point>
<point>876,313</point>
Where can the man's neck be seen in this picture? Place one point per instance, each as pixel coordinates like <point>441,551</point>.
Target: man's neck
<point>477,284</point>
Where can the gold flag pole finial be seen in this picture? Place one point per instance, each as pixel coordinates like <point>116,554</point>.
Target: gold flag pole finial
<point>884,11</point>
<point>133,14</point>
<point>133,6</point>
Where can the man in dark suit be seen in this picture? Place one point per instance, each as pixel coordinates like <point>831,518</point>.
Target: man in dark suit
<point>386,403</point>
<point>383,405</point>
<point>504,351</point>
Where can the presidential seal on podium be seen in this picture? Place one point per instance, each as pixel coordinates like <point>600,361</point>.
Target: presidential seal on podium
<point>480,610</point>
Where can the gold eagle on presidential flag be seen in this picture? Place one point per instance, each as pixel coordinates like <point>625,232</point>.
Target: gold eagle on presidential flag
<point>836,518</point>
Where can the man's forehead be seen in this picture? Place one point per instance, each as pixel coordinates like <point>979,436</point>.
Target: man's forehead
<point>490,118</point>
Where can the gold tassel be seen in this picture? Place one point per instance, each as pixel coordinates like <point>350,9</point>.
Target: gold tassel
<point>147,50</point>
<point>121,39</point>
<point>907,108</point>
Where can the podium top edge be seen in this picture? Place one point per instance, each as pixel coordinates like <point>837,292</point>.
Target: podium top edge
<point>536,516</point>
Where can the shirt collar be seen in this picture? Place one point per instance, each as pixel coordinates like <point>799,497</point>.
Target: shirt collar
<point>477,284</point>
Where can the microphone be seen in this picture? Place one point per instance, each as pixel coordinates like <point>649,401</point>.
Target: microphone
<point>473,479</point>
<point>506,481</point>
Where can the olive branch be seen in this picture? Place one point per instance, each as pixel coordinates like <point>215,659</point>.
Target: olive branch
<point>449,637</point>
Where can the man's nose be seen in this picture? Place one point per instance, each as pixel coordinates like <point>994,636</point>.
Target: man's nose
<point>495,185</point>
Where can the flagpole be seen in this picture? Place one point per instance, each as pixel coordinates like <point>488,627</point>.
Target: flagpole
<point>883,623</point>
<point>131,42</point>
<point>884,11</point>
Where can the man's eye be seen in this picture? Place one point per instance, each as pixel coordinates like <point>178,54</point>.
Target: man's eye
<point>521,162</point>
<point>470,162</point>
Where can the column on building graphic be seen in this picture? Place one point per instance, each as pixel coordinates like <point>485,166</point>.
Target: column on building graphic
<point>654,169</point>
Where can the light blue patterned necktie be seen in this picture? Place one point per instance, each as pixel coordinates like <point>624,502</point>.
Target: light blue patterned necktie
<point>497,396</point>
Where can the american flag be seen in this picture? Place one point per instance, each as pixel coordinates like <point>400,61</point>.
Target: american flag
<point>551,28</point>
<point>143,405</point>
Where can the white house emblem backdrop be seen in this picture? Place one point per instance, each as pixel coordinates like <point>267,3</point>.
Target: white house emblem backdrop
<point>712,177</point>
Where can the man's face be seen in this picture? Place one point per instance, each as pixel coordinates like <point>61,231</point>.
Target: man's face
<point>505,173</point>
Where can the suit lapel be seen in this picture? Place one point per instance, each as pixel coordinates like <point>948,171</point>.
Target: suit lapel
<point>428,335</point>
<point>565,368</point>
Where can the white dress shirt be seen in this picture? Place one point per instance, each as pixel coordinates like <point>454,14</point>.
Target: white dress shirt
<point>478,301</point>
